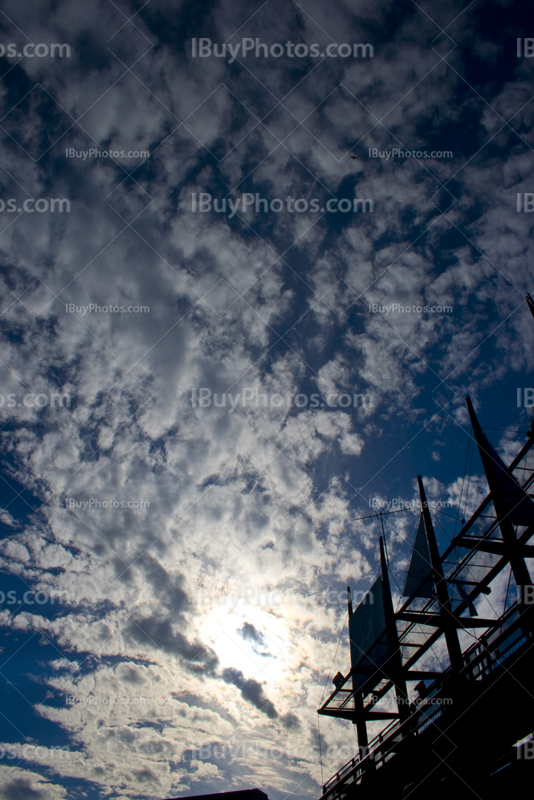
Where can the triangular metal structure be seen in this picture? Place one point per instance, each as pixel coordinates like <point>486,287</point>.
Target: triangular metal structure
<point>419,581</point>
<point>509,498</point>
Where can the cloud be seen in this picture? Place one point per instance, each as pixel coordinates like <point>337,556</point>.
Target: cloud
<point>18,784</point>
<point>248,631</point>
<point>251,690</point>
<point>154,632</point>
<point>261,510</point>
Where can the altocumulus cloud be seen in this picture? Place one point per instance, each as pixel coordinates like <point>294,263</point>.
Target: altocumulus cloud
<point>208,572</point>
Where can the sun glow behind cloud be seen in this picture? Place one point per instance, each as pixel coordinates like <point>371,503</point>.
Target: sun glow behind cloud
<point>264,657</point>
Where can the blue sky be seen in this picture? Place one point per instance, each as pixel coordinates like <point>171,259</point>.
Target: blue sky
<point>172,572</point>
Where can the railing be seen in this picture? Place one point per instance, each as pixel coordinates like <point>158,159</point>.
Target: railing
<point>376,757</point>
<point>378,739</point>
<point>480,660</point>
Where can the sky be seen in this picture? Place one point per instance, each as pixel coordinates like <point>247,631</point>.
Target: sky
<point>254,255</point>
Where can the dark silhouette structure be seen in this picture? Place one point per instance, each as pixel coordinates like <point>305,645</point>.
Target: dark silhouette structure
<point>464,730</point>
<point>244,794</point>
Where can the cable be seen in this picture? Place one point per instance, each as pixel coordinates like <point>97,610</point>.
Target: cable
<point>507,590</point>
<point>335,654</point>
<point>487,597</point>
<point>441,526</point>
<point>505,430</point>
<point>399,587</point>
<point>463,484</point>
<point>437,657</point>
<point>396,577</point>
<point>320,749</point>
<point>469,478</point>
<point>322,696</point>
<point>375,515</point>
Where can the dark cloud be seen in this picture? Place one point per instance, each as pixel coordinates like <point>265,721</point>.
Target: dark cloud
<point>155,632</point>
<point>290,721</point>
<point>131,675</point>
<point>21,789</point>
<point>251,690</point>
<point>248,631</point>
<point>168,589</point>
<point>145,775</point>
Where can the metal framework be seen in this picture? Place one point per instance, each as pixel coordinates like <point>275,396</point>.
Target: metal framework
<point>487,543</point>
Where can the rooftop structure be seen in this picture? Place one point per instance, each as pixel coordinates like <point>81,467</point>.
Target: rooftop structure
<point>467,727</point>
